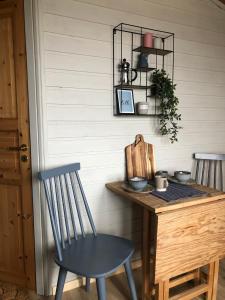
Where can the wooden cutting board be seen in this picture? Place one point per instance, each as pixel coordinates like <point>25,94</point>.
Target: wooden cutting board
<point>140,160</point>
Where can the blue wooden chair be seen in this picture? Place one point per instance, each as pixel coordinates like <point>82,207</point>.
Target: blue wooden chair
<point>89,255</point>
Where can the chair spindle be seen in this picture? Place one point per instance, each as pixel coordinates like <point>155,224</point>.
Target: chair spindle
<point>54,228</point>
<point>77,205</point>
<point>66,219</point>
<point>86,204</point>
<point>71,207</point>
<point>59,212</point>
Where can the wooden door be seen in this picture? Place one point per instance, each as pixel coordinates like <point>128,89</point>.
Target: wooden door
<point>16,213</point>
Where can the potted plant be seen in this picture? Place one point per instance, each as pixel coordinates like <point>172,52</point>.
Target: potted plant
<point>163,88</point>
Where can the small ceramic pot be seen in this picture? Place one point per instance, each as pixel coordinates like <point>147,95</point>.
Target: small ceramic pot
<point>138,183</point>
<point>143,60</point>
<point>182,176</point>
<point>158,43</point>
<point>142,108</point>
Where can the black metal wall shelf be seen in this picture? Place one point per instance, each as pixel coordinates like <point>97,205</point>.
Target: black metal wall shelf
<point>127,41</point>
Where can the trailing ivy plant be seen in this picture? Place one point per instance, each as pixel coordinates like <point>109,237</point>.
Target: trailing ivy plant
<point>163,88</point>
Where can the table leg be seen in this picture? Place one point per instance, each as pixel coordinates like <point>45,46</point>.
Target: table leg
<point>146,289</point>
<point>212,280</point>
<point>166,289</point>
<point>160,291</point>
<point>215,279</point>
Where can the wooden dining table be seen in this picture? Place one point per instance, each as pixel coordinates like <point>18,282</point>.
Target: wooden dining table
<point>179,238</point>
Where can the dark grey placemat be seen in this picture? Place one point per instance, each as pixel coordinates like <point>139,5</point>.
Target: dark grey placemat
<point>177,191</point>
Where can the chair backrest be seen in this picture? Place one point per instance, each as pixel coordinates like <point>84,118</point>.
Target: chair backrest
<point>63,190</point>
<point>209,169</point>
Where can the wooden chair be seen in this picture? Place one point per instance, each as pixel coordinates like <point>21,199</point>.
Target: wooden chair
<point>209,169</point>
<point>88,255</point>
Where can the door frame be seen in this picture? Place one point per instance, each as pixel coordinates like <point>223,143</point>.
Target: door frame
<point>35,74</point>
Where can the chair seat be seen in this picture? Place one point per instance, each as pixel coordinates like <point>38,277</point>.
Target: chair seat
<point>96,256</point>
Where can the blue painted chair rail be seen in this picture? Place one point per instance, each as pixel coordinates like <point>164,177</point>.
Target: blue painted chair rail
<point>90,255</point>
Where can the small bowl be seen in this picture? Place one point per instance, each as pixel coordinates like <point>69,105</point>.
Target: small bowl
<point>182,176</point>
<point>138,183</point>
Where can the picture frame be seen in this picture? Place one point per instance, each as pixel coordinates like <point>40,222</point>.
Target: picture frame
<point>125,101</point>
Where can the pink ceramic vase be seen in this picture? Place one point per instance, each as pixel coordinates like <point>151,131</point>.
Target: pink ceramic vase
<point>148,40</point>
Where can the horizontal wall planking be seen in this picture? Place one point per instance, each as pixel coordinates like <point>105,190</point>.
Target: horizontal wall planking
<point>86,159</point>
<point>88,46</point>
<point>202,114</point>
<point>169,13</point>
<point>68,44</point>
<point>78,28</point>
<point>83,62</point>
<point>201,101</point>
<point>88,145</point>
<point>71,74</point>
<point>99,113</point>
<point>55,95</point>
<point>75,26</point>
<point>94,129</point>
<point>73,79</point>
<point>117,128</point>
<point>180,73</point>
<point>78,79</point>
<point>202,89</point>
<point>192,6</point>
<point>90,97</point>
<point>112,17</point>
<point>118,158</point>
<point>81,112</point>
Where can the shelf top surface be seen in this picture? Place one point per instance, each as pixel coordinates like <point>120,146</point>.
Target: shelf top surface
<point>141,30</point>
<point>134,86</point>
<point>152,51</point>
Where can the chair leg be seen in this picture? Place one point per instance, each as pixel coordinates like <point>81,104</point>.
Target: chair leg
<point>130,280</point>
<point>101,288</point>
<point>88,284</point>
<point>60,284</point>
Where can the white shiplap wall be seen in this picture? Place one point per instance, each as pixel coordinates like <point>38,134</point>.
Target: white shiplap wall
<point>76,64</point>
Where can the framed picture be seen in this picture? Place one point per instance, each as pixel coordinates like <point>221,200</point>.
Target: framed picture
<point>125,101</point>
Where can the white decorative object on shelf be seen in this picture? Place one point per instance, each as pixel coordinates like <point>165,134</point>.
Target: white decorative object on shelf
<point>142,108</point>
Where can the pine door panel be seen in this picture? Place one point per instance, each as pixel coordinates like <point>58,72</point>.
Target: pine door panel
<point>7,74</point>
<point>17,264</point>
<point>11,226</point>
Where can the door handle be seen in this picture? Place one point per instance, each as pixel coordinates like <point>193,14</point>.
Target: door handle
<point>23,147</point>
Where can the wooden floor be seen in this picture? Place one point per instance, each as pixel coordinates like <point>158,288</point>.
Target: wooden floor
<point>117,289</point>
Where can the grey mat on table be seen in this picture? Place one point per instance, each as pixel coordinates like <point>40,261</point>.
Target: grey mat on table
<point>177,191</point>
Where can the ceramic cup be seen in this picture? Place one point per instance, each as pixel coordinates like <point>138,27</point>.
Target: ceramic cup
<point>148,40</point>
<point>158,43</point>
<point>161,183</point>
<point>162,173</point>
